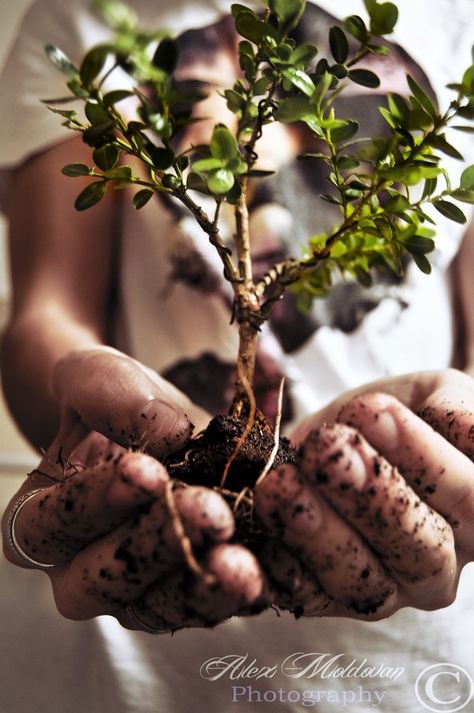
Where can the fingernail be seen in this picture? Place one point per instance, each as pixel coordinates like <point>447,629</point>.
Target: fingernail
<point>382,431</point>
<point>331,457</point>
<point>167,429</point>
<point>144,470</point>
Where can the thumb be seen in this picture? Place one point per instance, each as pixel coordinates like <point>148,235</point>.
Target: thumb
<point>106,391</point>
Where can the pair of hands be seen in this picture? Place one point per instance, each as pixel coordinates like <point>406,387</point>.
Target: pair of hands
<point>378,515</point>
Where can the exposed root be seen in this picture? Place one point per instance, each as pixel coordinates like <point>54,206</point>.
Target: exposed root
<point>247,429</point>
<point>184,540</point>
<point>276,432</point>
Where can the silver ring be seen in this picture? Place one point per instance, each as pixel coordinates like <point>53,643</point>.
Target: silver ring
<point>141,624</point>
<point>11,537</point>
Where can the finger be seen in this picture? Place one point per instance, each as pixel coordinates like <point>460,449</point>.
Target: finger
<point>53,525</point>
<point>293,587</point>
<point>435,469</point>
<point>232,581</point>
<point>117,568</point>
<point>450,411</point>
<point>415,543</point>
<point>344,565</point>
<point>110,393</point>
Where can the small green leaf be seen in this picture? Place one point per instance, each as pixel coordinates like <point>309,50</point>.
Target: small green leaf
<point>116,96</point>
<point>466,129</point>
<point>398,204</point>
<point>417,244</point>
<point>422,97</point>
<point>75,169</point>
<point>345,132</point>
<point>355,25</point>
<point>464,195</point>
<point>303,55</point>
<point>364,77</point>
<point>451,211</point>
<point>295,109</point>
<point>220,181</point>
<point>95,135</point>
<point>439,142</point>
<point>96,113</point>
<point>122,173</point>
<point>288,12</point>
<point>223,144</point>
<point>467,178</point>
<point>93,63</point>
<point>322,86</point>
<point>383,18</point>
<point>208,164</point>
<point>166,55</point>
<point>338,44</point>
<point>91,195</point>
<point>422,263</point>
<point>116,14</point>
<point>235,102</point>
<point>61,61</point>
<point>106,157</point>
<point>162,158</point>
<point>141,198</point>
<point>66,113</point>
<point>253,29</point>
<point>299,79</point>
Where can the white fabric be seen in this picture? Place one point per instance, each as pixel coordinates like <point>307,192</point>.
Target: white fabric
<point>49,664</point>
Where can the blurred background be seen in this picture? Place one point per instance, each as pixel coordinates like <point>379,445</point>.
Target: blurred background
<point>16,457</point>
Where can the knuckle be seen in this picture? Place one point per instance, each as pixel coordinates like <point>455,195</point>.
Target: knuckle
<point>372,402</point>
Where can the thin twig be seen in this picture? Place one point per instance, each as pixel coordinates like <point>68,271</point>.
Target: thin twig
<point>276,444</point>
<point>242,497</point>
<point>183,539</point>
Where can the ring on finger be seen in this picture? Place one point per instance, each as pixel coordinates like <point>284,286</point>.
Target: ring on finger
<point>12,539</point>
<point>142,626</point>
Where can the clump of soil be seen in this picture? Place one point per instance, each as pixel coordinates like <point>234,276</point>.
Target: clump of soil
<point>205,458</point>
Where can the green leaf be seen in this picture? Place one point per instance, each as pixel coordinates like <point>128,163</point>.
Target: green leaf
<point>288,12</point>
<point>410,175</point>
<point>235,102</point>
<point>467,129</point>
<point>220,181</point>
<point>422,263</point>
<point>223,144</point>
<point>161,125</point>
<point>96,114</point>
<point>467,178</point>
<point>236,9</point>
<point>66,113</point>
<point>430,187</point>
<point>345,132</point>
<point>253,29</point>
<point>397,204</point>
<point>166,55</point>
<point>422,97</point>
<point>122,173</point>
<point>116,14</point>
<point>464,195</point>
<point>417,244</point>
<point>77,89</point>
<point>208,164</point>
<point>91,195</point>
<point>302,55</point>
<point>338,44</point>
<point>468,81</point>
<point>439,142</point>
<point>299,79</point>
<point>61,61</point>
<point>116,96</point>
<point>364,77</point>
<point>355,25</point>
<point>449,210</point>
<point>106,157</point>
<point>162,158</point>
<point>96,135</point>
<point>295,109</point>
<point>383,18</point>
<point>75,169</point>
<point>141,198</point>
<point>93,63</point>
<point>322,86</point>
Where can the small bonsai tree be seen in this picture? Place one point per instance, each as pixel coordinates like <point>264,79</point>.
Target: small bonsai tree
<point>381,186</point>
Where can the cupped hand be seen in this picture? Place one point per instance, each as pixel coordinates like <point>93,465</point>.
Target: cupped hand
<point>378,513</point>
<point>110,518</point>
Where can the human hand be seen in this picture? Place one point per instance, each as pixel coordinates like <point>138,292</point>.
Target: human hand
<point>111,519</point>
<point>379,512</point>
